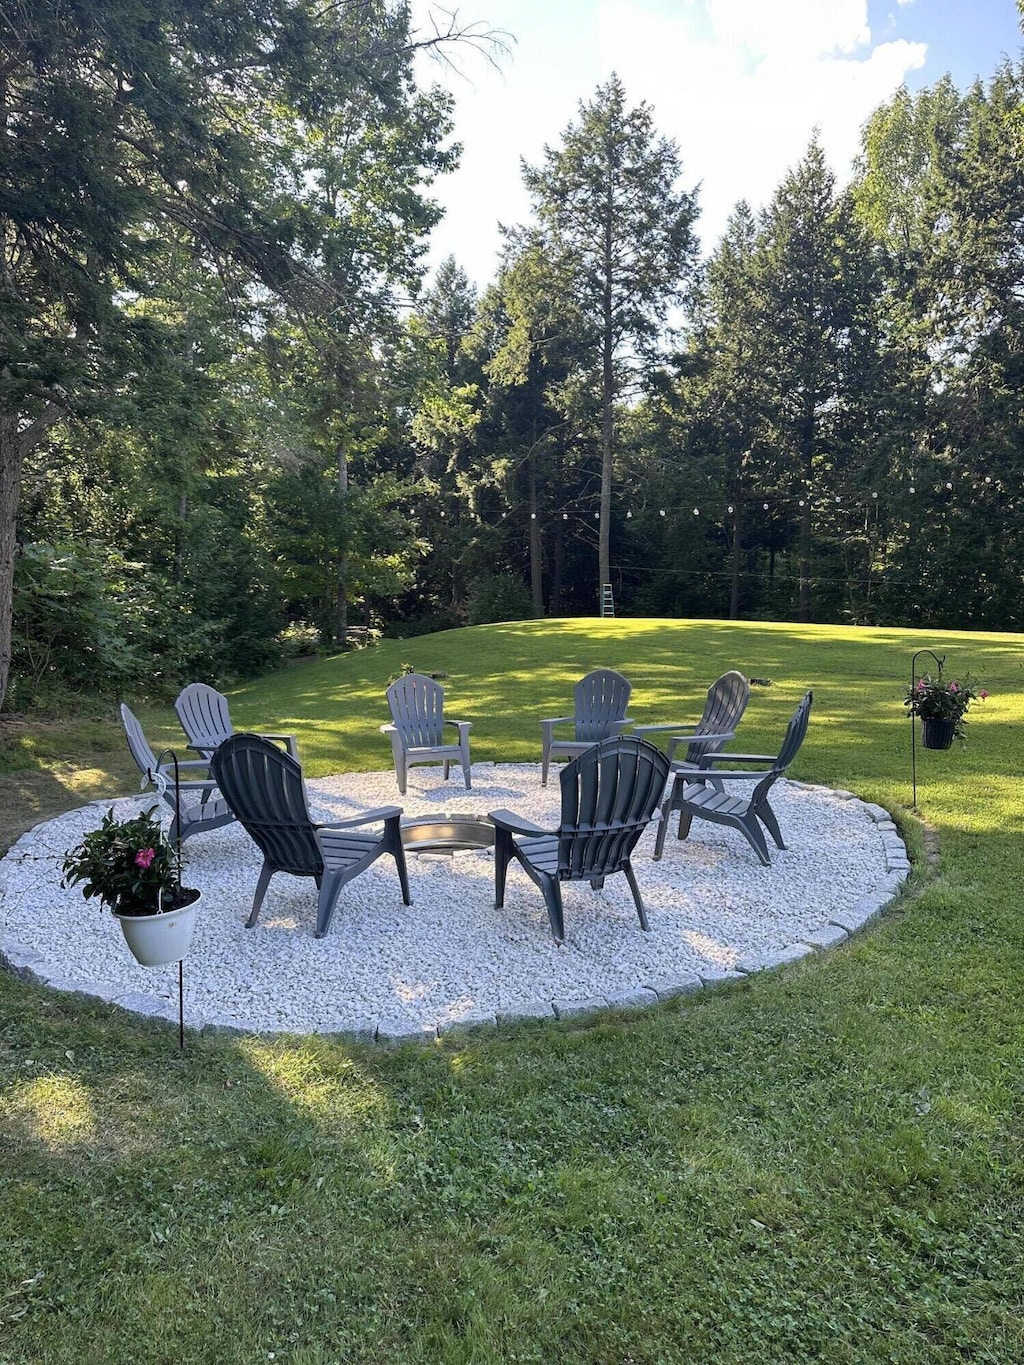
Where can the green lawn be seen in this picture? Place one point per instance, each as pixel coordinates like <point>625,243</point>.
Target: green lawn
<point>821,1164</point>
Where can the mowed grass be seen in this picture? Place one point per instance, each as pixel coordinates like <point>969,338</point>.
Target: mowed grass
<point>820,1164</point>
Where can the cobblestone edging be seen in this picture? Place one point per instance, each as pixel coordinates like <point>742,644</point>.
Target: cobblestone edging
<point>27,963</point>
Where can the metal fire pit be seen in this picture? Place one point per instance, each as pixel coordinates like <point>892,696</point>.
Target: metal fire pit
<point>448,834</point>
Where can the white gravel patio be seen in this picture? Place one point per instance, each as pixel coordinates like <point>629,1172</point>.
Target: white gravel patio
<point>451,959</point>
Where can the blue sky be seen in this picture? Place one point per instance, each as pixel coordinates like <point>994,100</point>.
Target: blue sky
<point>739,84</point>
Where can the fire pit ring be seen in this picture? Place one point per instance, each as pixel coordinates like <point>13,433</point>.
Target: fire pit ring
<point>448,834</point>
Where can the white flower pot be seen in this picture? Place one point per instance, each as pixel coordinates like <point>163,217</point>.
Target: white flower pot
<point>155,940</point>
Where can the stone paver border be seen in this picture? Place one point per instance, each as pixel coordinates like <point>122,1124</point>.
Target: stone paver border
<point>29,965</point>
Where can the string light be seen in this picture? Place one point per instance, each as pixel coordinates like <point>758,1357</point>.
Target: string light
<point>802,502</point>
<point>533,516</point>
<point>874,495</point>
<point>988,478</point>
<point>730,508</point>
<point>696,511</point>
<point>765,506</point>
<point>629,516</point>
<point>912,489</point>
<point>661,512</point>
<point>949,487</point>
<point>565,516</point>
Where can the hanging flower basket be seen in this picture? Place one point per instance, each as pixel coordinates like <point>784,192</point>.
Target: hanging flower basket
<point>937,734</point>
<point>942,707</point>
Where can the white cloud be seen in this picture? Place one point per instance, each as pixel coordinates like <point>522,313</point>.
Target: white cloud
<point>739,84</point>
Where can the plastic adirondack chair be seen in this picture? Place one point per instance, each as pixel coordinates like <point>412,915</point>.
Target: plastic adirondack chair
<point>196,817</point>
<point>263,785</point>
<point>609,794</point>
<point>601,699</point>
<point>417,727</point>
<point>723,711</point>
<point>694,796</point>
<point>204,716</point>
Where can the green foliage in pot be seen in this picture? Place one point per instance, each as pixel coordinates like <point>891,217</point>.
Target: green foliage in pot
<point>129,865</point>
<point>939,699</point>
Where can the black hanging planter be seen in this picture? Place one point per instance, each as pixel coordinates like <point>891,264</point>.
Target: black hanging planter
<point>937,734</point>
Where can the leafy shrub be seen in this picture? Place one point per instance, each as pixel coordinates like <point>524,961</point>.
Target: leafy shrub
<point>498,597</point>
<point>299,638</point>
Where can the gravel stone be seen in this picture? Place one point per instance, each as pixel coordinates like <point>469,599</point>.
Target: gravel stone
<point>451,956</point>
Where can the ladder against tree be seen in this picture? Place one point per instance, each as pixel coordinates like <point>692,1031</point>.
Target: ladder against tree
<point>607,600</point>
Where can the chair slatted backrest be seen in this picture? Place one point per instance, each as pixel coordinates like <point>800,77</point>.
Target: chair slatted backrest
<point>263,786</point>
<point>609,794</point>
<point>203,713</point>
<point>723,711</point>
<point>601,699</point>
<point>795,732</point>
<point>138,744</point>
<point>417,710</point>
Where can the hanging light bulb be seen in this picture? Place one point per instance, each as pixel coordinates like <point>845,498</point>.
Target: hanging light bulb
<point>565,516</point>
<point>802,502</point>
<point>730,508</point>
<point>696,511</point>
<point>912,489</point>
<point>874,495</point>
<point>533,516</point>
<point>596,515</point>
<point>661,511</point>
<point>629,516</point>
<point>765,506</point>
<point>988,478</point>
<point>838,498</point>
<point>949,488</point>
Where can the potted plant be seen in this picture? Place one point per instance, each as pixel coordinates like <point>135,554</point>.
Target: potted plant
<point>130,866</point>
<point>942,706</point>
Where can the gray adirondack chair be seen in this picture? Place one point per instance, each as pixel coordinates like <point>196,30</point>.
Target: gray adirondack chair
<point>609,794</point>
<point>263,785</point>
<point>600,701</point>
<point>696,797</point>
<point>417,728</point>
<point>196,816</point>
<point>727,700</point>
<point>204,716</point>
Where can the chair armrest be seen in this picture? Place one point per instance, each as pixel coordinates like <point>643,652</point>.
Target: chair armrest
<point>184,763</point>
<point>642,730</point>
<point>515,824</point>
<point>461,725</point>
<point>287,740</point>
<point>368,817</point>
<point>557,720</point>
<point>742,758</point>
<point>389,729</point>
<point>695,778</point>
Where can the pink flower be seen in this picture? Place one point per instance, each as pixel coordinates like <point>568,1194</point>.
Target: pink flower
<point>920,685</point>
<point>144,857</point>
<point>982,694</point>
<point>953,687</point>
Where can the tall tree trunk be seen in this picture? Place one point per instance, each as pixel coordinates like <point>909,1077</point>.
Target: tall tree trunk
<point>737,521</point>
<point>557,570</point>
<point>604,557</point>
<point>341,586</point>
<point>15,444</point>
<point>11,459</point>
<point>536,559</point>
<point>177,568</point>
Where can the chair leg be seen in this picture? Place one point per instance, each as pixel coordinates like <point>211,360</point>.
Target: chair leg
<point>685,821</point>
<point>447,768</point>
<point>401,767</point>
<point>659,841</point>
<point>628,869</point>
<point>398,850</point>
<point>755,837</point>
<point>545,760</point>
<point>502,855</point>
<point>552,889</point>
<point>770,823</point>
<point>464,752</point>
<point>329,888</point>
<point>597,883</point>
<point>266,872</point>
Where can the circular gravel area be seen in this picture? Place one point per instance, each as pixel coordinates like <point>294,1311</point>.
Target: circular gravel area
<point>451,959</point>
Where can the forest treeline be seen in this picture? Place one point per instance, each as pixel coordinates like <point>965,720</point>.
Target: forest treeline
<point>236,423</point>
